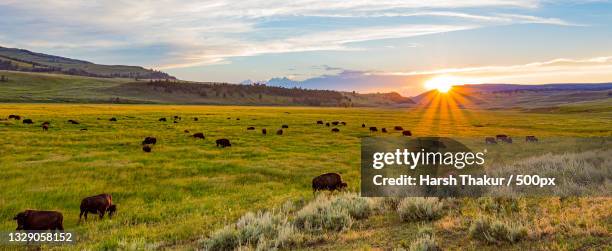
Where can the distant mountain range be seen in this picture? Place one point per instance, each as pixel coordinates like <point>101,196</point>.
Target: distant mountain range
<point>28,61</point>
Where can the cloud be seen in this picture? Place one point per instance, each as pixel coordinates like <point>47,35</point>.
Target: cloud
<point>194,32</point>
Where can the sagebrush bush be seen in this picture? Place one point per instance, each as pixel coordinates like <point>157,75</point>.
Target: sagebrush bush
<point>425,243</point>
<point>358,207</point>
<point>224,239</point>
<point>420,209</point>
<point>497,231</point>
<point>322,215</point>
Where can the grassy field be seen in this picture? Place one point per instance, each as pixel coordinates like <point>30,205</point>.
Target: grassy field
<point>187,188</point>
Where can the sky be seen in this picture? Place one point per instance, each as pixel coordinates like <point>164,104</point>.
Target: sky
<point>364,46</point>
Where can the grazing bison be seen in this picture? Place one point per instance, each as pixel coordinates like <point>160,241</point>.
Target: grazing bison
<point>335,130</point>
<point>490,140</point>
<point>343,123</point>
<point>176,122</point>
<point>531,139</point>
<point>501,137</point>
<point>177,117</point>
<point>279,132</point>
<point>223,142</point>
<point>363,125</point>
<point>327,124</point>
<point>149,141</point>
<point>328,181</point>
<point>100,204</point>
<point>507,140</point>
<point>146,148</point>
<point>74,122</point>
<point>113,119</point>
<point>28,121</point>
<point>45,127</point>
<point>407,133</point>
<point>15,117</point>
<point>237,118</point>
<point>195,119</point>
<point>250,128</point>
<point>264,131</point>
<point>319,122</point>
<point>398,128</point>
<point>373,129</point>
<point>198,135</point>
<point>384,130</point>
<point>285,126</point>
<point>186,131</point>
<point>39,220</point>
<point>162,119</point>
<point>335,123</point>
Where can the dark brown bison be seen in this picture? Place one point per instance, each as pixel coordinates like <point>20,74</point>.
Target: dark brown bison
<point>250,128</point>
<point>383,130</point>
<point>237,118</point>
<point>223,142</point>
<point>501,137</point>
<point>149,141</point>
<point>264,131</point>
<point>507,140</point>
<point>279,132</point>
<point>327,124</point>
<point>343,123</point>
<point>285,126</point>
<point>45,127</point>
<point>407,133</point>
<point>490,140</point>
<point>398,128</point>
<point>328,181</point>
<point>146,148</point>
<point>83,129</point>
<point>531,139</point>
<point>195,119</point>
<point>46,123</point>
<point>74,122</point>
<point>162,119</point>
<point>28,121</point>
<point>186,131</point>
<point>373,129</point>
<point>100,204</point>
<point>176,122</point>
<point>177,117</point>
<point>363,125</point>
<point>39,220</point>
<point>319,122</point>
<point>198,135</point>
<point>335,130</point>
<point>335,123</point>
<point>113,119</point>
<point>15,117</point>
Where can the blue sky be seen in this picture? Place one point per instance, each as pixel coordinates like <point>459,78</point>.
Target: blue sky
<point>366,46</point>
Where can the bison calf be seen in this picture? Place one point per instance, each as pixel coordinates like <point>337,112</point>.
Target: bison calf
<point>39,220</point>
<point>100,204</point>
<point>223,142</point>
<point>328,181</point>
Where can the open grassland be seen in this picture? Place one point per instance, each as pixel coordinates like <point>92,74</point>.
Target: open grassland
<point>187,188</point>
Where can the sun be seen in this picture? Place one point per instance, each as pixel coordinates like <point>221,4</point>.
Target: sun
<point>442,83</point>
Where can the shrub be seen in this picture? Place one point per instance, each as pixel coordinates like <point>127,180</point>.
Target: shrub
<point>425,243</point>
<point>419,209</point>
<point>496,231</point>
<point>224,239</point>
<point>357,207</point>
<point>321,215</point>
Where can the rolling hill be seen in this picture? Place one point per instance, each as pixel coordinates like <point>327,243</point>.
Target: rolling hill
<point>28,61</point>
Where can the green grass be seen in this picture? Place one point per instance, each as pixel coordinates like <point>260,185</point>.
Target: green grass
<point>187,188</point>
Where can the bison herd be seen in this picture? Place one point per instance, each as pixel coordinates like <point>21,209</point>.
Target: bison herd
<point>503,138</point>
<point>100,204</point>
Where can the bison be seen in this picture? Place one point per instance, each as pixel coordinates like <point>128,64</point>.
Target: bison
<point>398,128</point>
<point>279,132</point>
<point>15,117</point>
<point>149,141</point>
<point>177,117</point>
<point>363,125</point>
<point>223,142</point>
<point>46,123</point>
<point>383,130</point>
<point>501,137</point>
<point>113,119</point>
<point>490,140</point>
<point>319,122</point>
<point>373,129</point>
<point>39,220</point>
<point>198,135</point>
<point>162,120</point>
<point>146,148</point>
<point>507,140</point>
<point>100,204</point>
<point>335,130</point>
<point>195,119</point>
<point>176,122</point>
<point>74,122</point>
<point>237,118</point>
<point>250,128</point>
<point>531,139</point>
<point>328,181</point>
<point>335,123</point>
<point>28,121</point>
<point>343,123</point>
<point>45,127</point>
<point>407,133</point>
<point>264,131</point>
<point>327,124</point>
<point>285,126</point>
